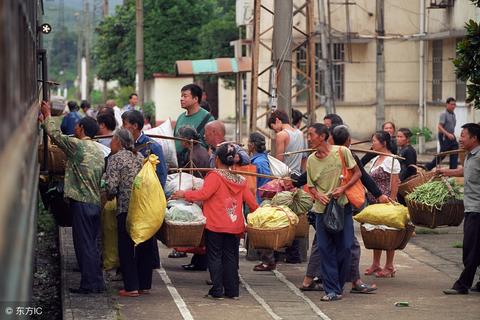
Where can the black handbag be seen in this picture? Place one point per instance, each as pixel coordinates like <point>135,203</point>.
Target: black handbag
<point>334,217</point>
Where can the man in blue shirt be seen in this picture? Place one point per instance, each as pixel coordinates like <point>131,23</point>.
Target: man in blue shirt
<point>71,119</point>
<point>133,122</point>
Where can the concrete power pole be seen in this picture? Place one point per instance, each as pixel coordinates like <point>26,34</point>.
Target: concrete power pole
<point>282,53</point>
<point>380,83</point>
<point>87,43</point>
<point>325,63</point>
<point>105,14</point>
<point>139,51</point>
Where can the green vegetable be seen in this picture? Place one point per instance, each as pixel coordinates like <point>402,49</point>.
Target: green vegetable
<point>298,201</point>
<point>436,193</point>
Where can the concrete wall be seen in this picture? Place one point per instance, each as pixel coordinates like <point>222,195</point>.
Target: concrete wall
<point>165,93</point>
<point>226,101</point>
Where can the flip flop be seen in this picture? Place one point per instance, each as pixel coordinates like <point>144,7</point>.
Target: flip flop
<point>363,288</point>
<point>312,287</point>
<point>123,293</point>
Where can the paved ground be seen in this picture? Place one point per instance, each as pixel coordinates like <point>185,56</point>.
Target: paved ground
<point>429,264</point>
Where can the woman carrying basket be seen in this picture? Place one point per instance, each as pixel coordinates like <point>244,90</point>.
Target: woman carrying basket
<point>384,170</point>
<point>223,194</point>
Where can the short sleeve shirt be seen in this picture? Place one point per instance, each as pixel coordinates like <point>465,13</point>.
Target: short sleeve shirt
<point>324,174</point>
<point>448,121</point>
<point>193,121</point>
<point>471,173</point>
<point>386,165</point>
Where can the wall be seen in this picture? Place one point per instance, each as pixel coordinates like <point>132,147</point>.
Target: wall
<point>226,101</point>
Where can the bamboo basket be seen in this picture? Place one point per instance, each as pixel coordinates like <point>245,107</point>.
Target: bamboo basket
<point>409,231</point>
<point>411,183</point>
<point>181,235</point>
<point>303,227</point>
<point>273,239</point>
<point>56,159</point>
<point>451,214</point>
<point>382,239</point>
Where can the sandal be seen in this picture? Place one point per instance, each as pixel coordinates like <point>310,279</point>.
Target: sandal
<point>386,273</point>
<point>264,267</point>
<point>363,288</point>
<point>314,286</point>
<point>144,291</point>
<point>331,297</point>
<point>176,254</point>
<point>372,270</point>
<point>124,293</point>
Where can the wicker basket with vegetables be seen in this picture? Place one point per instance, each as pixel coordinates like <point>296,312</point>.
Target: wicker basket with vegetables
<point>300,203</point>
<point>436,203</point>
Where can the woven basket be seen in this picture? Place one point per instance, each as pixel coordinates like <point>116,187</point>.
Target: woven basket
<point>412,182</point>
<point>273,239</point>
<point>184,235</point>
<point>409,230</point>
<point>451,214</point>
<point>303,227</point>
<point>382,239</point>
<point>56,159</point>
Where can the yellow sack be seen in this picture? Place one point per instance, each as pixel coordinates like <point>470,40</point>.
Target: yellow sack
<point>146,209</point>
<point>391,215</point>
<point>109,235</point>
<point>269,217</point>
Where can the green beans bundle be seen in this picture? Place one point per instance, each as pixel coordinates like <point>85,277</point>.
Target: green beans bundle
<point>436,193</point>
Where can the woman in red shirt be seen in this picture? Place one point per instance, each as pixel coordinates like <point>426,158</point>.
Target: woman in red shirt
<point>223,194</point>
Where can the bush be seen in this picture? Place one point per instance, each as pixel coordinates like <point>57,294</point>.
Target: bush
<point>424,132</point>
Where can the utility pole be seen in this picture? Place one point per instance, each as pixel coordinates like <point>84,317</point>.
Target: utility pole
<point>105,14</point>
<point>421,92</point>
<point>87,42</point>
<point>139,51</point>
<point>325,63</point>
<point>380,83</point>
<point>282,54</point>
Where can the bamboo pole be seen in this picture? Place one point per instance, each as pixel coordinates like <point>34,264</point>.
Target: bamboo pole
<point>246,173</point>
<point>351,149</point>
<point>152,136</point>
<point>360,142</point>
<point>446,153</point>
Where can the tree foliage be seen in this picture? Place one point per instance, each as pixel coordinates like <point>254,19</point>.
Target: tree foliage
<point>467,63</point>
<point>173,30</point>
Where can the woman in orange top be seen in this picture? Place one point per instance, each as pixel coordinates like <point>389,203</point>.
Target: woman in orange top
<point>223,194</point>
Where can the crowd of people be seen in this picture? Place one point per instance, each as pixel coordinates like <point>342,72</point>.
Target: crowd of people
<point>334,258</point>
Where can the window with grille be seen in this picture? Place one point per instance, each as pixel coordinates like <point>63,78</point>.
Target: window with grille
<point>437,52</point>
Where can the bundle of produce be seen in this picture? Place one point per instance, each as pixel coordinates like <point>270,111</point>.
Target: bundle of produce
<point>388,214</point>
<point>436,203</point>
<point>271,188</point>
<point>298,201</point>
<point>271,227</point>
<point>184,225</point>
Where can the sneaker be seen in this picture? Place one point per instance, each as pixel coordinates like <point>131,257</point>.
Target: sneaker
<point>454,291</point>
<point>476,288</point>
<point>209,296</point>
<point>264,267</point>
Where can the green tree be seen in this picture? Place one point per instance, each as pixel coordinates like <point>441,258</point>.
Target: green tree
<point>467,63</point>
<point>173,30</point>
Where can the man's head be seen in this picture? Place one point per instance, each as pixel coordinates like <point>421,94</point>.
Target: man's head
<point>106,122</point>
<point>332,119</point>
<point>451,104</point>
<point>133,122</point>
<point>296,118</point>
<point>85,105</point>
<point>133,99</point>
<point>72,106</point>
<point>317,134</point>
<point>191,96</point>
<point>470,136</point>
<point>86,127</point>
<point>277,119</point>
<point>256,143</point>
<point>110,103</point>
<point>341,136</point>
<point>214,133</point>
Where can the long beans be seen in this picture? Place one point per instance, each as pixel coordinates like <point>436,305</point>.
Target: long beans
<point>436,193</point>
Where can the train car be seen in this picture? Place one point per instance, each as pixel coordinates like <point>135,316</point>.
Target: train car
<point>20,93</point>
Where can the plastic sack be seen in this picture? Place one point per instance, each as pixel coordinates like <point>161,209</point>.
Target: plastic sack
<point>168,146</point>
<point>333,217</point>
<point>180,211</point>
<point>271,188</point>
<point>392,215</point>
<point>109,235</point>
<point>278,168</point>
<point>146,209</point>
<point>272,217</point>
<point>173,183</point>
